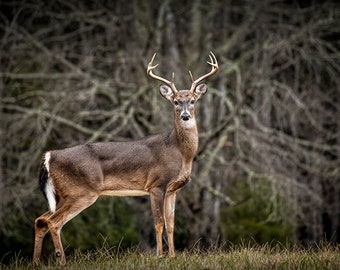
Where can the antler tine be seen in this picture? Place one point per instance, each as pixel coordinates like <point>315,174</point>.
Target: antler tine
<point>214,69</point>
<point>213,60</point>
<point>192,77</point>
<point>152,75</point>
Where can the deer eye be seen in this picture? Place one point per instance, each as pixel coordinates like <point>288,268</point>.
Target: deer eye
<point>192,101</point>
<point>176,102</point>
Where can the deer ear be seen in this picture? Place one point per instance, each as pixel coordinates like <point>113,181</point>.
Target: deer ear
<point>166,92</point>
<point>200,90</point>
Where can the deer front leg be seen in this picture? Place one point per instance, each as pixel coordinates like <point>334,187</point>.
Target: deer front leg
<point>157,207</point>
<point>169,211</point>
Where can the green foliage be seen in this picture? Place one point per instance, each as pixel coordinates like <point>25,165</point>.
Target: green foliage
<point>252,220</point>
<point>17,229</point>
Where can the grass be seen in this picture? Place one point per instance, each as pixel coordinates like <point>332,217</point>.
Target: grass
<point>237,257</point>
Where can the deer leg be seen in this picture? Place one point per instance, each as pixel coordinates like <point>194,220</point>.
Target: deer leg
<point>58,246</point>
<point>55,223</point>
<point>169,214</point>
<point>157,207</point>
<point>41,229</point>
<point>68,210</point>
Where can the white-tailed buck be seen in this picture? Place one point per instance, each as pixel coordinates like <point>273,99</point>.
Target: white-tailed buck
<point>72,179</point>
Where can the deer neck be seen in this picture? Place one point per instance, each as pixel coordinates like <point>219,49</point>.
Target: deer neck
<point>186,137</point>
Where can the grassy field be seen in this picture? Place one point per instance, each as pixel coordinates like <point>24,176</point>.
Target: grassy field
<point>239,257</point>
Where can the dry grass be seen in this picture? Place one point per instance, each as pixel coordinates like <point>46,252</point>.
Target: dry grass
<point>238,257</point>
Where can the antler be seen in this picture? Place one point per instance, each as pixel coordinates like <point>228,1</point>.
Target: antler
<point>152,75</point>
<point>214,69</point>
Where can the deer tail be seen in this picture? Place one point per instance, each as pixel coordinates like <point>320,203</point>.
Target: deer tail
<point>45,182</point>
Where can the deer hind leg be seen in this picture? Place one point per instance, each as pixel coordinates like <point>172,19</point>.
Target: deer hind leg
<point>157,207</point>
<point>41,229</point>
<point>65,211</point>
<point>169,214</point>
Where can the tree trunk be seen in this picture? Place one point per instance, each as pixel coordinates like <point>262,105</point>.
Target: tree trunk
<point>2,185</point>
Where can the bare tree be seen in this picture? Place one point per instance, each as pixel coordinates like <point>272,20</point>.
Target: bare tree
<point>270,118</point>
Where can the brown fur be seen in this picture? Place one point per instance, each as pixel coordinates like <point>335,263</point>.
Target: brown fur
<point>159,165</point>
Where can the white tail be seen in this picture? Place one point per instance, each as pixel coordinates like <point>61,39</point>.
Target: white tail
<point>49,188</point>
<point>159,166</point>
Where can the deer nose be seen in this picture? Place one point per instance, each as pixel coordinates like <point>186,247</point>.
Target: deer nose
<point>185,116</point>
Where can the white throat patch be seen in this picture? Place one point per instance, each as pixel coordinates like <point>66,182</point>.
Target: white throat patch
<point>188,124</point>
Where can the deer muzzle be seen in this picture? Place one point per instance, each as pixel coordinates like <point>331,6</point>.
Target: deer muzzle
<point>185,114</point>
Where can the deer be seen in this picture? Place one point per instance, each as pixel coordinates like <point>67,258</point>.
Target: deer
<point>158,166</point>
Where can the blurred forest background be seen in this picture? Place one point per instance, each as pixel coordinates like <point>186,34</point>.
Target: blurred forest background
<point>268,163</point>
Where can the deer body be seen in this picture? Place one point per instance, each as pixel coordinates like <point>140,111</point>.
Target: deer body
<point>158,165</point>
<point>119,169</point>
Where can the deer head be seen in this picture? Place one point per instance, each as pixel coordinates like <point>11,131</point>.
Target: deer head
<point>183,100</point>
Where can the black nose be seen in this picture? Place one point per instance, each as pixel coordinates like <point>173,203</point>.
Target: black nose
<point>185,116</point>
